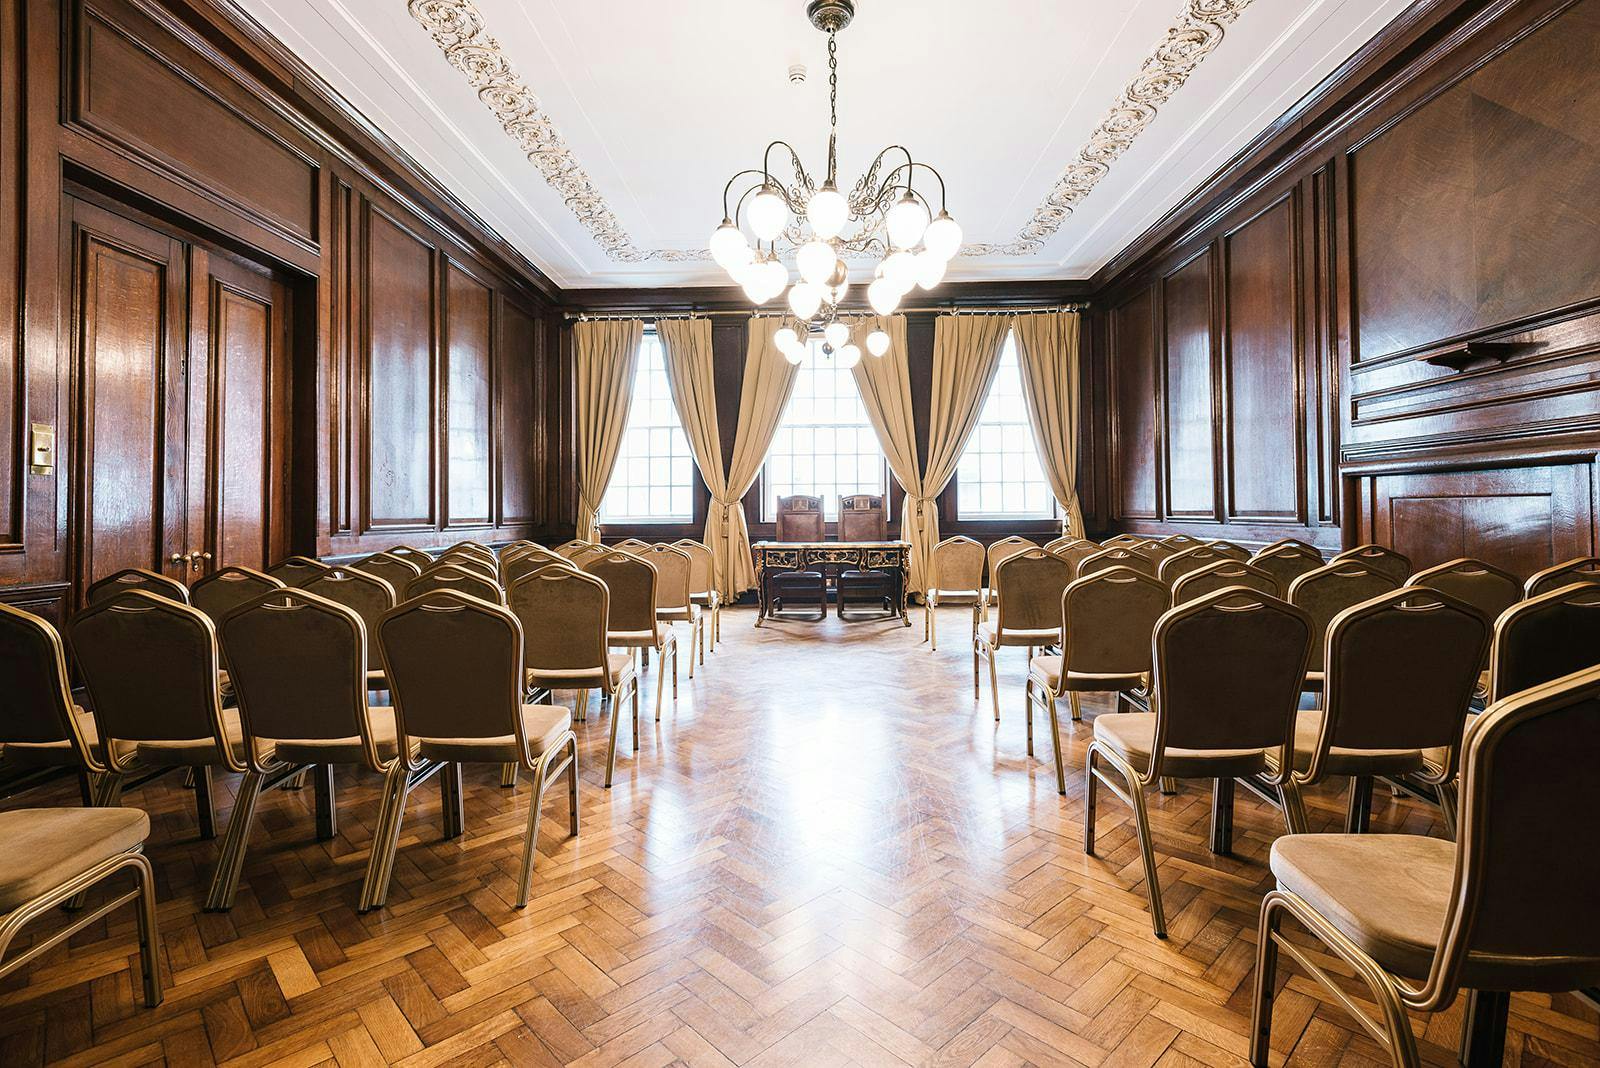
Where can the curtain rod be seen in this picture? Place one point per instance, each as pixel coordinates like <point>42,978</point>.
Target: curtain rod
<point>947,309</point>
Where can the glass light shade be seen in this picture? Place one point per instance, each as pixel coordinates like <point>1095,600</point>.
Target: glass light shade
<point>877,342</point>
<point>942,237</point>
<point>786,338</point>
<point>804,299</point>
<point>768,213</point>
<point>827,211</point>
<point>849,356</point>
<point>906,222</point>
<point>752,288</point>
<point>795,353</point>
<point>883,295</point>
<point>836,334</point>
<point>930,269</point>
<point>776,276</point>
<point>900,270</point>
<point>816,260</point>
<point>728,247</point>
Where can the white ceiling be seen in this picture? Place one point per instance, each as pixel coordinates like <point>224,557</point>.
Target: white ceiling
<point>660,102</point>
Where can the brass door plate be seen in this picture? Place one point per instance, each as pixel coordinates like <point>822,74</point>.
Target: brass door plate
<point>42,449</point>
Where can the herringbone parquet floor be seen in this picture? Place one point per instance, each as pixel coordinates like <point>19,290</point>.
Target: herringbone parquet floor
<point>826,854</point>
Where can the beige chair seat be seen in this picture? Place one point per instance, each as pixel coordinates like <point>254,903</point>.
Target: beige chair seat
<point>955,598</point>
<point>1347,761</point>
<point>46,847</point>
<point>683,614</point>
<point>341,750</point>
<point>990,632</point>
<point>542,724</point>
<point>1131,736</point>
<point>1386,892</point>
<point>1047,669</point>
<point>201,751</point>
<point>630,639</point>
<point>618,667</point>
<point>58,754</point>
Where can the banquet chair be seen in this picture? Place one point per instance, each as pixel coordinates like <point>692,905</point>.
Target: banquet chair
<point>568,548</point>
<point>1327,591</point>
<point>632,545</point>
<point>1107,620</point>
<point>423,560</point>
<point>1295,542</point>
<point>1157,551</point>
<point>1206,723</point>
<point>956,579</point>
<point>862,517</point>
<point>394,570</point>
<point>584,553</point>
<point>674,595</point>
<point>469,546</point>
<point>1487,588</point>
<point>1229,550</point>
<point>1220,576</point>
<point>1128,541</point>
<point>1396,565</point>
<point>40,726</point>
<point>449,576</point>
<point>370,597</point>
<point>297,570</point>
<point>1028,614</point>
<point>53,857</point>
<point>631,618</point>
<point>1507,907</point>
<point>703,590</point>
<point>1190,559</point>
<point>299,673</point>
<point>1287,560</point>
<point>228,587</point>
<point>1057,544</point>
<point>455,664</point>
<point>137,578</point>
<point>1181,542</point>
<point>471,561</point>
<point>1118,556</point>
<point>1077,552</point>
<point>1582,569</point>
<point>1400,670</point>
<point>800,518</point>
<point>998,553</point>
<point>513,567</point>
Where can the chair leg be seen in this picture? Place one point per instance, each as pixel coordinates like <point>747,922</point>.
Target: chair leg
<point>572,788</point>
<point>676,651</point>
<point>1222,816</point>
<point>1147,852</point>
<point>205,813</point>
<point>1358,816</point>
<point>976,693</point>
<point>616,714</point>
<point>327,814</point>
<point>385,837</point>
<point>1447,806</point>
<point>1091,790</point>
<point>508,776</point>
<point>1073,703</point>
<point>225,880</point>
<point>1483,1031</point>
<point>1055,746</point>
<point>1266,979</point>
<point>993,653</point>
<point>1294,808</point>
<point>1027,709</point>
<point>531,838</point>
<point>149,932</point>
<point>583,706</point>
<point>450,800</point>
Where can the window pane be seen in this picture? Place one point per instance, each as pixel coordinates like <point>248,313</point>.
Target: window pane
<point>653,481</point>
<point>999,476</point>
<point>825,446</point>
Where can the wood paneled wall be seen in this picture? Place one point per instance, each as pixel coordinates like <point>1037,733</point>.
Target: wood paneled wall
<point>1382,321</point>
<point>254,325</point>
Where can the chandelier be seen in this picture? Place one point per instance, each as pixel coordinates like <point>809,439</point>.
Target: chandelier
<point>883,216</point>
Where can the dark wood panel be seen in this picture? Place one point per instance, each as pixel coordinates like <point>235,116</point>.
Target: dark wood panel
<point>1264,425</point>
<point>400,380</point>
<point>1189,379</point>
<point>523,432</point>
<point>468,417</point>
<point>1134,396</point>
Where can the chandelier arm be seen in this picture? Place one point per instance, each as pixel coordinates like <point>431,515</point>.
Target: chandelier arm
<point>800,171</point>
<point>911,164</point>
<point>729,187</point>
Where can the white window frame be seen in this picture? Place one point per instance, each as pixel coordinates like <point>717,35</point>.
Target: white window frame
<point>1003,422</point>
<point>816,363</point>
<point>665,447</point>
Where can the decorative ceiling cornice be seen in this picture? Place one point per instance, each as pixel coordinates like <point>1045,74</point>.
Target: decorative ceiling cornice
<point>456,26</point>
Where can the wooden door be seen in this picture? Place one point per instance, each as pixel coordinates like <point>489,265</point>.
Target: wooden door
<point>131,437</point>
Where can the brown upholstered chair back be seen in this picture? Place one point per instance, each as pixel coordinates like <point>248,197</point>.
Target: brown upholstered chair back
<point>799,518</point>
<point>674,575</point>
<point>475,547</point>
<point>863,517</point>
<point>1544,638</point>
<point>1193,558</point>
<point>1030,585</point>
<point>702,565</point>
<point>1001,551</point>
<point>1076,552</point>
<point>451,576</point>
<point>1229,668</point>
<point>631,581</point>
<point>957,564</point>
<point>1287,560</point>
<point>1484,586</point>
<point>1181,542</point>
<point>368,595</point>
<point>298,570</point>
<point>298,662</point>
<point>1118,556</point>
<point>517,548</point>
<point>416,556</point>
<point>137,578</point>
<point>1107,620</point>
<point>1220,576</point>
<point>515,566</point>
<point>454,665</point>
<point>584,553</point>
<point>1158,551</point>
<point>35,697</point>
<point>570,549</point>
<point>1396,565</point>
<point>1229,551</point>
<point>396,571</point>
<point>564,619</point>
<point>1055,545</point>
<point>1288,541</point>
<point>632,545</point>
<point>1582,569</point>
<point>1329,590</point>
<point>472,561</point>
<point>228,587</point>
<point>1401,669</point>
<point>150,666</point>
<point>1522,906</point>
<point>1125,541</point>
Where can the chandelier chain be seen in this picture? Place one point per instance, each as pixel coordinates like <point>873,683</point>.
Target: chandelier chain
<point>833,105</point>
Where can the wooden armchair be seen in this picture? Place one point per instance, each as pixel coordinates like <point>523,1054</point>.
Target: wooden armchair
<point>799,519</point>
<point>863,517</point>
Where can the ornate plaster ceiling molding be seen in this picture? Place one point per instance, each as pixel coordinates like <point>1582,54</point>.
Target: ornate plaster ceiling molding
<point>456,26</point>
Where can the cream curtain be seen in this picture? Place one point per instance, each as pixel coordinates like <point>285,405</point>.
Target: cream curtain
<point>768,382</point>
<point>1047,354</point>
<point>604,355</point>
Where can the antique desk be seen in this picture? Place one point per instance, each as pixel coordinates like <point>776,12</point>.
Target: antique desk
<point>893,557</point>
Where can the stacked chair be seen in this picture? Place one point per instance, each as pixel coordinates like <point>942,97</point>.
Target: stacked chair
<point>956,579</point>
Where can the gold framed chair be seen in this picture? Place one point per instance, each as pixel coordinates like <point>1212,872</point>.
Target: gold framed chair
<point>583,554</point>
<point>1190,559</point>
<point>396,571</point>
<point>1581,569</point>
<point>1206,724</point>
<point>799,519</point>
<point>569,548</point>
<point>1028,615</point>
<point>703,590</point>
<point>299,570</point>
<point>675,594</point>
<point>137,578</point>
<point>513,567</point>
<point>1386,561</point>
<point>1057,544</point>
<point>1327,591</point>
<point>632,545</point>
<point>228,587</point>
<point>449,576</point>
<point>1399,680</point>
<point>1508,907</point>
<point>455,665</point>
<point>1107,620</point>
<point>56,855</point>
<point>1287,560</point>
<point>1077,552</point>
<point>1229,550</point>
<point>1158,551</point>
<point>1181,542</point>
<point>1489,589</point>
<point>471,561</point>
<point>370,597</point>
<point>1220,576</point>
<point>631,621</point>
<point>299,674</point>
<point>956,579</point>
<point>42,727</point>
<point>470,546</point>
<point>998,553</point>
<point>564,615</point>
<point>1127,541</point>
<point>1296,542</point>
<point>423,560</point>
<point>1119,556</point>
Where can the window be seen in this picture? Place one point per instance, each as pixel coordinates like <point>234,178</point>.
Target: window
<point>653,481</point>
<point>999,476</point>
<point>825,445</point>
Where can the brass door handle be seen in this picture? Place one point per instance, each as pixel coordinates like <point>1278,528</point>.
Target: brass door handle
<point>197,560</point>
